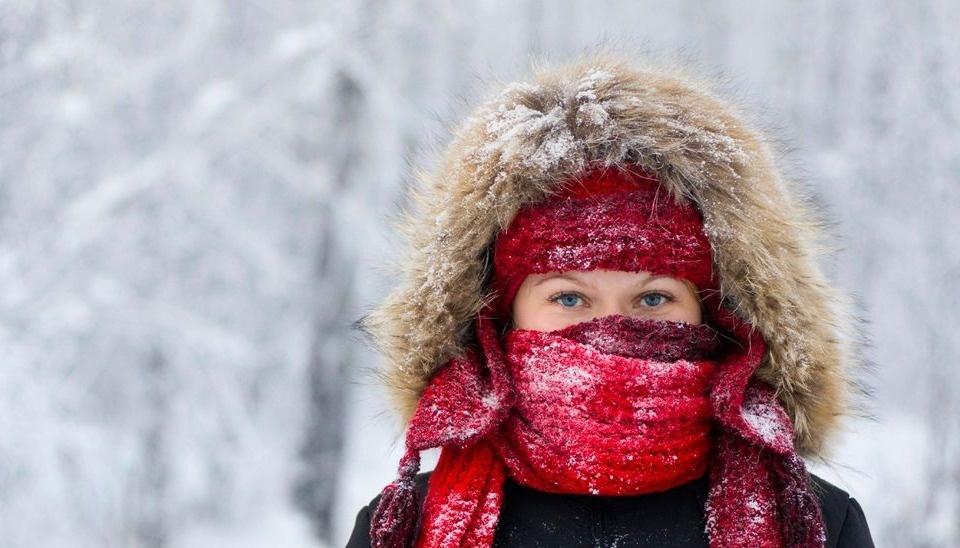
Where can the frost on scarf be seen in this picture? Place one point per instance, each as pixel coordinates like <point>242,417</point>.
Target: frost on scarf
<point>592,422</point>
<point>615,423</point>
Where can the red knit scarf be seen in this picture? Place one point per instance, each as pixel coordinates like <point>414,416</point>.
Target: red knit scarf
<point>598,412</point>
<point>613,406</point>
<point>599,408</point>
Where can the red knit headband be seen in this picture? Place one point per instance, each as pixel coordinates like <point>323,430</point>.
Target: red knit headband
<point>607,219</point>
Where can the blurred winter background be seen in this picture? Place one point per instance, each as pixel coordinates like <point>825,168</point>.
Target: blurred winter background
<point>192,206</point>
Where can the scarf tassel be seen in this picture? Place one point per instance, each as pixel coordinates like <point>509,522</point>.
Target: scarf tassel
<point>396,519</point>
<point>802,520</point>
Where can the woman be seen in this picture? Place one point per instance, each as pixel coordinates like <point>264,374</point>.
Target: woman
<point>613,325</point>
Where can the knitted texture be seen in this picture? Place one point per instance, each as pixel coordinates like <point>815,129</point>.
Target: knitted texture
<point>608,423</point>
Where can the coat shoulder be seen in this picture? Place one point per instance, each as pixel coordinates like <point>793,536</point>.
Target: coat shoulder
<point>360,537</point>
<point>842,515</point>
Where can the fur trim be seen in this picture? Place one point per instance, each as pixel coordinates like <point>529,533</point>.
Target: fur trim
<point>606,109</point>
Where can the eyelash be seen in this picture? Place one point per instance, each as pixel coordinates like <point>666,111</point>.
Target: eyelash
<point>556,297</point>
<point>667,297</point>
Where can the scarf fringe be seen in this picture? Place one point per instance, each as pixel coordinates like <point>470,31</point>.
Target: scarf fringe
<point>396,519</point>
<point>802,518</point>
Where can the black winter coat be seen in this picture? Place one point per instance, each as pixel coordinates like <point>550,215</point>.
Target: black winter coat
<point>673,518</point>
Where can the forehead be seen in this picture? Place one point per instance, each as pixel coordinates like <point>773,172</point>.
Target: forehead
<point>600,278</point>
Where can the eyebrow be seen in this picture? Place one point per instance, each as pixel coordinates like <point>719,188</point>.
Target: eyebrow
<point>563,277</point>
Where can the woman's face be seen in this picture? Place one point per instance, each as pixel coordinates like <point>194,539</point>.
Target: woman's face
<point>554,300</point>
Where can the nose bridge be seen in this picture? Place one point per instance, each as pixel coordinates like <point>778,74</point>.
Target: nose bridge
<point>613,304</point>
<point>622,307</point>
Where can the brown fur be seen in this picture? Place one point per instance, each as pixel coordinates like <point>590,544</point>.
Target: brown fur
<point>605,108</point>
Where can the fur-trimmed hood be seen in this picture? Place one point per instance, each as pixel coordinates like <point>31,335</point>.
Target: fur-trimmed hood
<point>606,109</point>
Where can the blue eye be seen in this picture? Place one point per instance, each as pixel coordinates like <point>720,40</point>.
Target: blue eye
<point>566,300</point>
<point>654,299</point>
